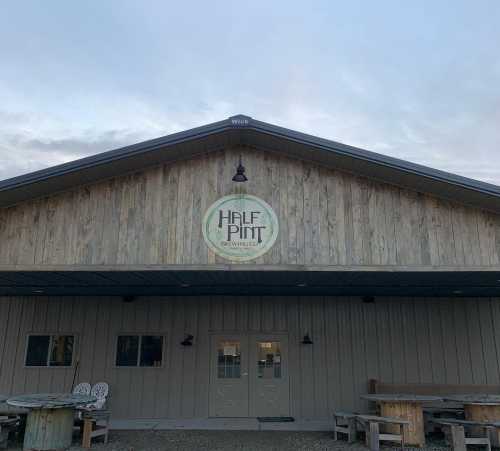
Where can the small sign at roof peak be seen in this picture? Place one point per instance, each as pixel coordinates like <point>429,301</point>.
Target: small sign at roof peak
<point>240,120</point>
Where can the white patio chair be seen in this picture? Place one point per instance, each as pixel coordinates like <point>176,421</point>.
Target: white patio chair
<point>100,391</point>
<point>82,388</point>
<point>95,418</point>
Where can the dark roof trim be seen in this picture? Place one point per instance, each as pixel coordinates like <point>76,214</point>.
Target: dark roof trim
<point>113,155</point>
<point>376,158</point>
<point>242,130</point>
<point>247,280</point>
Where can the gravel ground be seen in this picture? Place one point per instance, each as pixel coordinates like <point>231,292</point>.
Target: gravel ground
<point>227,441</point>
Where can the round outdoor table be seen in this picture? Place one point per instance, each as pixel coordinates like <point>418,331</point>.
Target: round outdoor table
<point>407,407</point>
<point>480,407</point>
<point>50,419</point>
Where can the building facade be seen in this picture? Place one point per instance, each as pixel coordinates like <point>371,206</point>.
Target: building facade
<point>197,297</point>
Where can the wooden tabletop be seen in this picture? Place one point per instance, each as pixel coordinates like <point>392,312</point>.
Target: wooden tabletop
<point>475,398</point>
<point>396,397</point>
<point>51,401</point>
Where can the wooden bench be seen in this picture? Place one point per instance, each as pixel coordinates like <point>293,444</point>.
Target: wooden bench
<point>6,426</point>
<point>95,424</point>
<point>434,409</point>
<point>456,431</point>
<point>376,387</point>
<point>431,413</point>
<point>344,423</point>
<point>371,425</point>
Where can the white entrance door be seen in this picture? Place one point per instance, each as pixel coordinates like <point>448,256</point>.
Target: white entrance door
<point>229,376</point>
<point>269,387</point>
<point>249,376</point>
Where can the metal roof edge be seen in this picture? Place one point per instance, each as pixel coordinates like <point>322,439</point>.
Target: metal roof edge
<point>247,123</point>
<point>376,158</point>
<point>114,154</point>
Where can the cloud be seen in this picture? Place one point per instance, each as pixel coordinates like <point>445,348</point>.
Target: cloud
<point>21,153</point>
<point>29,142</point>
<point>391,79</point>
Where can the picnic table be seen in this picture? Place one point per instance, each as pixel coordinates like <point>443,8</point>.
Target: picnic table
<point>5,410</point>
<point>482,408</point>
<point>407,407</point>
<point>50,419</point>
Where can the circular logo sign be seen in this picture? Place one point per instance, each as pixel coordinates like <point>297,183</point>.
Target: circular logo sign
<point>240,227</point>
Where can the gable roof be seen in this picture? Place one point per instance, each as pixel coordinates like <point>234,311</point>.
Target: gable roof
<point>243,130</point>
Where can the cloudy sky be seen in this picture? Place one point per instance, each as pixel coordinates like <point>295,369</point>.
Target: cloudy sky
<point>418,80</point>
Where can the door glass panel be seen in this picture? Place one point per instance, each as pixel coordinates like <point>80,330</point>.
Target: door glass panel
<point>228,359</point>
<point>269,360</point>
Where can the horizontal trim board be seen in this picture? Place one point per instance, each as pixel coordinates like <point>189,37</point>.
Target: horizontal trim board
<point>248,268</point>
<point>219,424</point>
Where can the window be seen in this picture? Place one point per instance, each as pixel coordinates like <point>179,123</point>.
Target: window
<point>229,360</point>
<point>50,350</point>
<point>269,360</point>
<point>139,350</point>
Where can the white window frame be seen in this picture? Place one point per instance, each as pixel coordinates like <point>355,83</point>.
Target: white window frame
<point>140,335</point>
<point>49,351</point>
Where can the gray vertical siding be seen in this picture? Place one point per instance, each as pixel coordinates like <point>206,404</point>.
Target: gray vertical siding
<point>326,217</point>
<point>394,340</point>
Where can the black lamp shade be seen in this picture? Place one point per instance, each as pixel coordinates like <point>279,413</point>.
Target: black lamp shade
<point>240,174</point>
<point>188,341</point>
<point>307,340</point>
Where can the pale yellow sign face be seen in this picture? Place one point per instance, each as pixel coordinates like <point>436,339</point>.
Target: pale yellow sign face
<point>240,227</point>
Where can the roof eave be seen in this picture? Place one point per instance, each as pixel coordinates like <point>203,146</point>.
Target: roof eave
<point>245,130</point>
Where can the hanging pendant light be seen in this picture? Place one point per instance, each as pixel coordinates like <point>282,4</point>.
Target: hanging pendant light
<point>188,341</point>
<point>240,173</point>
<point>307,340</point>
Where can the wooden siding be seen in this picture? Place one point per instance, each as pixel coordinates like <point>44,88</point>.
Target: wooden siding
<point>397,340</point>
<point>326,218</point>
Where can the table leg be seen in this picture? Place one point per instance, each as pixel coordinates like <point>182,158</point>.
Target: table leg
<point>477,412</point>
<point>411,411</point>
<point>87,433</point>
<point>49,429</point>
<point>4,436</point>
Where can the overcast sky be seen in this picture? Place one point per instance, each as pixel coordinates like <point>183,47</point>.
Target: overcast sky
<point>419,80</point>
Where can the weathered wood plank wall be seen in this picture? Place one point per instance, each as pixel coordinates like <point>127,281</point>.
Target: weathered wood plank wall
<point>326,218</point>
<point>395,340</point>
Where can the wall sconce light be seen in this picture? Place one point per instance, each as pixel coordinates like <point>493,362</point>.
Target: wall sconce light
<point>240,173</point>
<point>368,299</point>
<point>188,341</point>
<point>128,299</point>
<point>307,340</point>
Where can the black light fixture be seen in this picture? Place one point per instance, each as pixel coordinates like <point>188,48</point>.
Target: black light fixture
<point>368,299</point>
<point>240,173</point>
<point>307,340</point>
<point>188,341</point>
<point>128,299</point>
